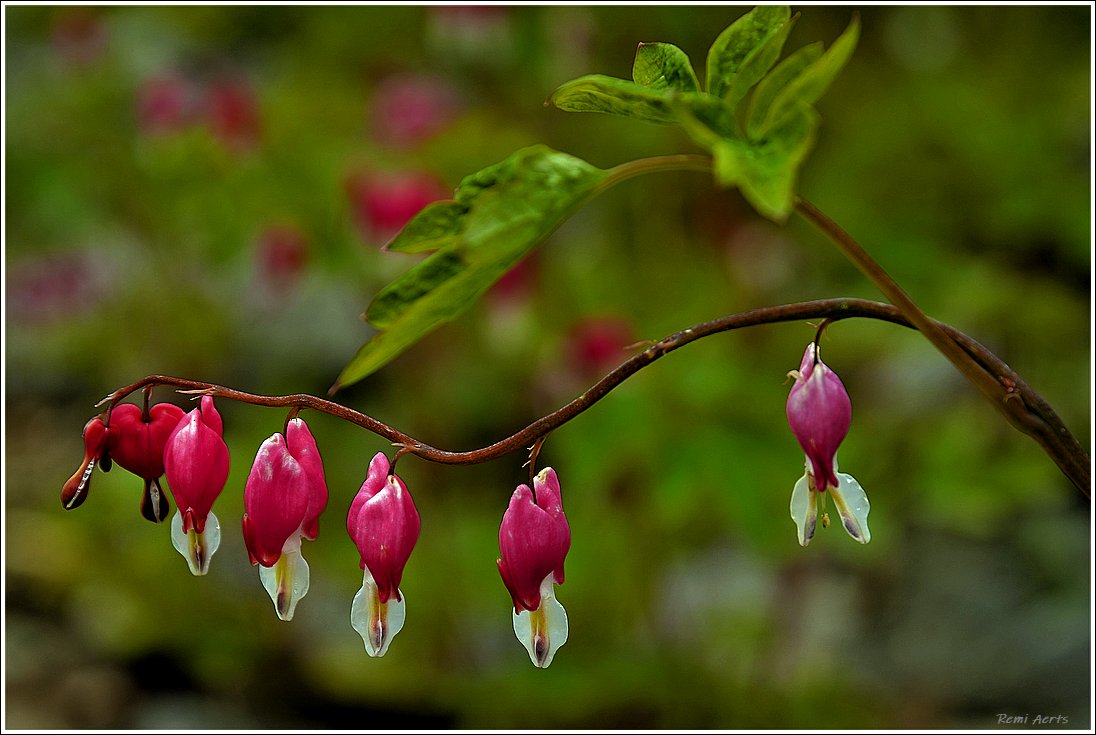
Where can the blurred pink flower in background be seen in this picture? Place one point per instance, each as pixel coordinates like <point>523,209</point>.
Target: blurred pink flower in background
<point>54,287</point>
<point>384,201</point>
<point>165,103</point>
<point>597,344</point>
<point>517,284</point>
<point>232,113</point>
<point>407,109</point>
<point>281,254</point>
<point>77,35</point>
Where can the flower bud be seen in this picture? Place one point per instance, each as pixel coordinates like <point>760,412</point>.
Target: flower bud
<point>533,540</point>
<point>384,524</point>
<point>196,465</point>
<point>283,500</point>
<point>819,413</point>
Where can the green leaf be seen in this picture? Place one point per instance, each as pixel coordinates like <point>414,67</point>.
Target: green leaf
<point>704,117</point>
<point>758,62</point>
<point>771,85</point>
<point>435,226</point>
<point>813,81</point>
<point>507,209</point>
<point>730,50</point>
<point>599,93</point>
<point>766,172</point>
<point>663,66</point>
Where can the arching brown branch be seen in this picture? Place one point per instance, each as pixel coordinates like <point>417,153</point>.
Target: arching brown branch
<point>1032,413</point>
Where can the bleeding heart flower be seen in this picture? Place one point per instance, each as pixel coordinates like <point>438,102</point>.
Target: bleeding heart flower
<point>137,444</point>
<point>819,414</point>
<point>384,524</point>
<point>196,465</point>
<point>534,539</point>
<point>283,500</point>
<point>96,450</point>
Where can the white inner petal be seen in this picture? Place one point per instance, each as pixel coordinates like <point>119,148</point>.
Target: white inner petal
<point>852,504</point>
<point>543,630</point>
<point>804,510</point>
<point>376,622</point>
<point>196,548</point>
<point>286,582</point>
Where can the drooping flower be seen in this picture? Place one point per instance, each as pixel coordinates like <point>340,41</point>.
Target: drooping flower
<point>96,437</point>
<point>819,414</point>
<point>137,444</point>
<point>196,466</point>
<point>283,500</point>
<point>384,525</point>
<point>534,539</point>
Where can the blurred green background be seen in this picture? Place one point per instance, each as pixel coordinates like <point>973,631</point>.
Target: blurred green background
<point>203,192</point>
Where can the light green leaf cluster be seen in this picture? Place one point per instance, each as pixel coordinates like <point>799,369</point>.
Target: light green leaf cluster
<point>757,146</point>
<point>495,218</point>
<point>500,213</point>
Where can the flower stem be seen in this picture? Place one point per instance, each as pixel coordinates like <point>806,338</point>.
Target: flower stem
<point>1030,414</point>
<point>1066,452</point>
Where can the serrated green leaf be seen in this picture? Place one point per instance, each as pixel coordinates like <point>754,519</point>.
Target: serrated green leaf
<point>813,81</point>
<point>599,93</point>
<point>664,67</point>
<point>777,79</point>
<point>757,63</point>
<point>766,172</point>
<point>435,226</point>
<point>507,209</point>
<point>732,47</point>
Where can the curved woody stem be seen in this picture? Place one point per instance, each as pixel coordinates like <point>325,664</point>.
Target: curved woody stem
<point>1025,409</point>
<point>1023,403</point>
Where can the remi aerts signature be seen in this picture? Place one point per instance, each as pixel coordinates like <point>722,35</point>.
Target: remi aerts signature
<point>1027,719</point>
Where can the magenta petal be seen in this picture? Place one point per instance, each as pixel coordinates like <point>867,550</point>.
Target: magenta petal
<point>276,500</point>
<point>196,464</point>
<point>819,414</point>
<point>302,446</point>
<point>384,524</point>
<point>210,416</point>
<point>138,445</point>
<point>533,540</point>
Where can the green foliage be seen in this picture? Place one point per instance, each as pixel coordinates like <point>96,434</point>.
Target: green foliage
<point>502,212</point>
<point>780,124</point>
<point>496,217</point>
<point>766,171</point>
<point>746,50</point>
<point>599,93</point>
<point>664,66</point>
<point>806,87</point>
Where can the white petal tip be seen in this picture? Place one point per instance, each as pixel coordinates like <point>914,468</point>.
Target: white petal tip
<point>196,548</point>
<point>286,582</point>
<point>804,510</point>
<point>852,504</point>
<point>376,622</point>
<point>543,630</point>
